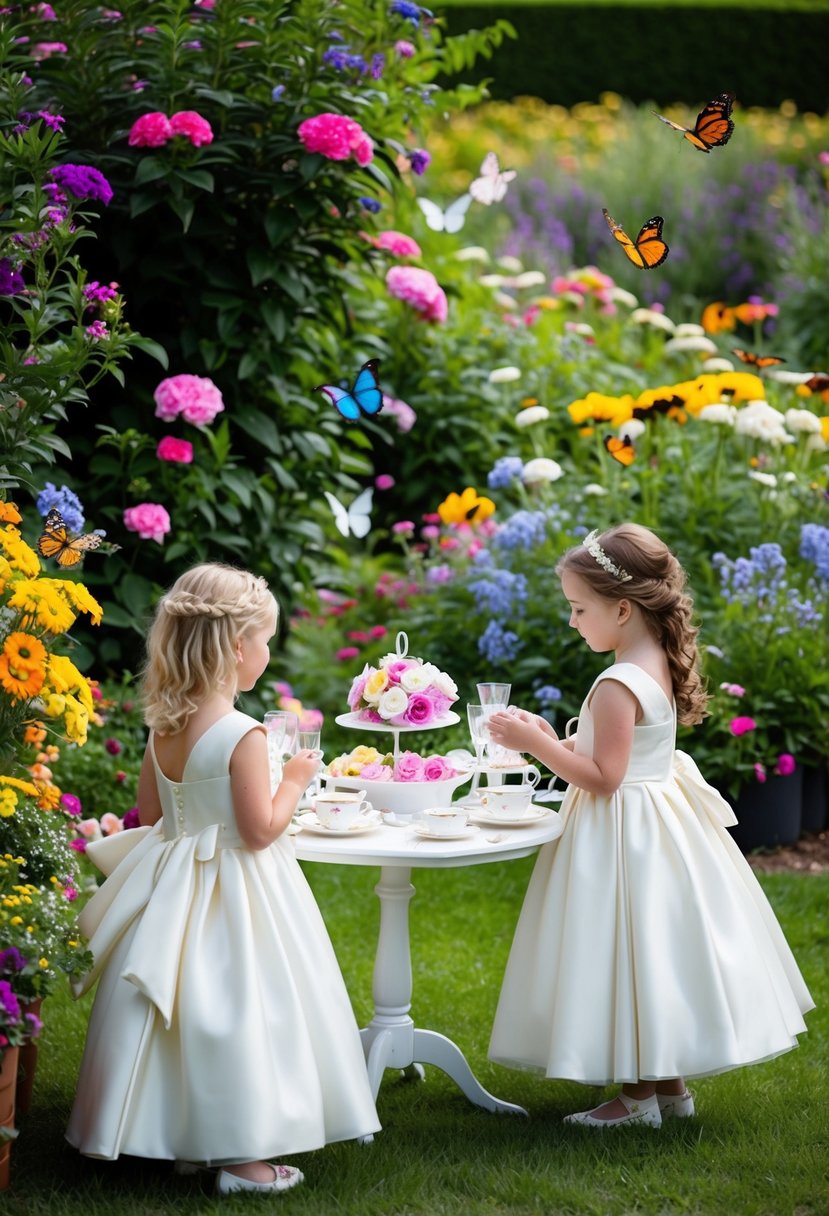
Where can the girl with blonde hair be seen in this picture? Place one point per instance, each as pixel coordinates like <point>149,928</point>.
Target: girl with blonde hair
<point>221,1033</point>
<point>646,951</point>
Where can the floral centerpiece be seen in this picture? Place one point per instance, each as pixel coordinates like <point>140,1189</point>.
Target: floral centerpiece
<point>371,765</point>
<point>402,691</point>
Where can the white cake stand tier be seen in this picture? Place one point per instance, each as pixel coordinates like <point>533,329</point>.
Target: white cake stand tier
<point>404,798</point>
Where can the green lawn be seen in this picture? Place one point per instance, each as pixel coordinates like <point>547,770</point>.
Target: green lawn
<point>758,1148</point>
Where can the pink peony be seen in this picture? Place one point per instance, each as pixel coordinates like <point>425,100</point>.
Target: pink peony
<point>190,124</point>
<point>419,288</point>
<point>436,768</point>
<point>196,398</point>
<point>149,519</point>
<point>336,137</point>
<point>179,451</point>
<point>397,243</point>
<point>786,764</point>
<point>409,767</point>
<point>741,726</point>
<point>150,130</point>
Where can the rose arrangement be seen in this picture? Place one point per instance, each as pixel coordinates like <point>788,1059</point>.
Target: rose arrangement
<point>371,765</point>
<point>402,691</point>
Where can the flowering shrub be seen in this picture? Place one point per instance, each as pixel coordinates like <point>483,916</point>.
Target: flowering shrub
<point>336,137</point>
<point>402,691</point>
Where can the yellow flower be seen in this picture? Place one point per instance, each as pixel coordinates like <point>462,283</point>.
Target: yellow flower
<point>375,683</point>
<point>740,386</point>
<point>53,612</point>
<point>76,720</point>
<point>21,556</point>
<point>43,962</point>
<point>55,705</point>
<point>6,573</point>
<point>25,786</point>
<point>352,769</point>
<point>596,407</point>
<point>83,600</point>
<point>9,513</point>
<point>466,508</point>
<point>19,683</point>
<point>718,317</point>
<point>8,803</point>
<point>25,651</point>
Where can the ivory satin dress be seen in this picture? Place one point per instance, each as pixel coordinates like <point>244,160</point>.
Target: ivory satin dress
<point>646,948</point>
<point>221,1029</point>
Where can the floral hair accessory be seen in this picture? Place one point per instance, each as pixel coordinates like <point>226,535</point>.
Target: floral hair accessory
<point>591,544</point>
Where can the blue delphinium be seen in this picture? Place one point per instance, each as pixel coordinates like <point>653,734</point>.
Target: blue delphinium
<point>500,592</point>
<point>66,501</point>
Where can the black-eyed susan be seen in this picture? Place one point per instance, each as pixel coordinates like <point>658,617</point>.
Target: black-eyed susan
<point>470,507</point>
<point>24,651</point>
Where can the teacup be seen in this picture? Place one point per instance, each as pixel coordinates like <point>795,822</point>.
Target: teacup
<point>443,820</point>
<point>340,808</point>
<point>507,799</point>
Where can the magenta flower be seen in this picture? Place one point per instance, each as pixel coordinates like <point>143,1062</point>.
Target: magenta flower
<point>71,803</point>
<point>44,50</point>
<point>420,161</point>
<point>400,411</point>
<point>403,527</point>
<point>419,712</point>
<point>178,451</point>
<point>741,726</point>
<point>378,631</point>
<point>409,767</point>
<point>150,130</point>
<point>404,48</point>
<point>436,768</point>
<point>419,288</point>
<point>191,125</point>
<point>196,398</point>
<point>786,764</point>
<point>346,652</point>
<point>131,819</point>
<point>336,137</point>
<point>113,747</point>
<point>397,243</point>
<point>98,293</point>
<point>84,181</point>
<point>149,519</point>
<point>760,772</point>
<point>97,331</point>
<point>734,690</point>
<point>78,844</point>
<point>384,481</point>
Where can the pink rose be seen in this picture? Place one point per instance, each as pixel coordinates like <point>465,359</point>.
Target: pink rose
<point>398,244</point>
<point>355,693</point>
<point>419,712</point>
<point>378,631</point>
<point>395,669</point>
<point>89,828</point>
<point>376,772</point>
<point>786,764</point>
<point>196,398</point>
<point>741,726</point>
<point>409,767</point>
<point>436,768</point>
<point>336,137</point>
<point>150,130</point>
<point>149,519</point>
<point>179,451</point>
<point>190,124</point>
<point>419,288</point>
<point>110,824</point>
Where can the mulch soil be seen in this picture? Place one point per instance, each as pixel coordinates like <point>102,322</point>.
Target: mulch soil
<point>810,855</point>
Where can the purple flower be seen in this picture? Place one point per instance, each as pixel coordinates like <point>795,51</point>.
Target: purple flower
<point>131,819</point>
<point>420,160</point>
<point>378,62</point>
<point>11,280</point>
<point>9,1002</point>
<point>97,330</point>
<point>405,49</point>
<point>11,960</point>
<point>79,844</point>
<point>71,803</point>
<point>83,181</point>
<point>113,747</point>
<point>370,204</point>
<point>99,293</point>
<point>403,8</point>
<point>277,91</point>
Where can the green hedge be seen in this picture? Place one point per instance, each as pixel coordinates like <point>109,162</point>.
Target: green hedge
<point>571,53</point>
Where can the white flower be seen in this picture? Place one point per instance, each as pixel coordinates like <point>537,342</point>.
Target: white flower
<point>788,477</point>
<point>504,375</point>
<point>816,443</point>
<point>783,377</point>
<point>593,488</point>
<point>529,278</point>
<point>541,469</point>
<point>504,301</point>
<point>619,296</point>
<point>491,280</point>
<point>530,415</point>
<point>720,413</point>
<point>510,264</point>
<point>445,684</point>
<point>690,343</point>
<point>392,702</point>
<point>472,253</point>
<point>633,428</point>
<point>647,316</point>
<point>718,364</point>
<point>415,679</point>
<point>572,297</point>
<point>803,420</point>
<point>579,327</point>
<point>759,420</point>
<point>687,329</point>
<point>765,479</point>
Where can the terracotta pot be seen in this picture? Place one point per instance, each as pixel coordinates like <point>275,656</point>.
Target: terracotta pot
<point>8,1085</point>
<point>768,812</point>
<point>27,1065</point>
<point>815,798</point>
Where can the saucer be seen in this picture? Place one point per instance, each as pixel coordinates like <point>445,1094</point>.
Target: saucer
<point>423,832</point>
<point>536,813</point>
<point>308,822</point>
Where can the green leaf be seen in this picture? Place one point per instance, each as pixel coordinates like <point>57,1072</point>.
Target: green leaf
<point>184,208</point>
<point>247,364</point>
<point>236,482</point>
<point>200,178</point>
<point>274,318</point>
<point>139,203</point>
<point>150,169</point>
<point>260,264</point>
<point>154,349</point>
<point>280,222</point>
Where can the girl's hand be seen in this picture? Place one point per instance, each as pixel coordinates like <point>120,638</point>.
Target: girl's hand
<point>526,716</point>
<point>302,768</point>
<point>518,731</point>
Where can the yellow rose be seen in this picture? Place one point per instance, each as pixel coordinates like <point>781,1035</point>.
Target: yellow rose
<point>375,684</point>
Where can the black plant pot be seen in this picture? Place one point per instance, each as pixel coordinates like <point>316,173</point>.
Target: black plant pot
<point>769,812</point>
<point>815,798</point>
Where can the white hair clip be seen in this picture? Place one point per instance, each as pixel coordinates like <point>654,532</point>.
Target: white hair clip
<point>591,544</point>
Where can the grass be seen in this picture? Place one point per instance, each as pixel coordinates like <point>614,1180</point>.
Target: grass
<point>758,1148</point>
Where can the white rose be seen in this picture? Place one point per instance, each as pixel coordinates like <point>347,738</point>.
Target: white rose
<point>803,420</point>
<point>530,415</point>
<point>541,469</point>
<point>392,702</point>
<point>720,413</point>
<point>647,316</point>
<point>504,375</point>
<point>445,684</point>
<point>415,679</point>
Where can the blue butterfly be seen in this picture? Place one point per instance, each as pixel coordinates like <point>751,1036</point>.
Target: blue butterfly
<point>366,395</point>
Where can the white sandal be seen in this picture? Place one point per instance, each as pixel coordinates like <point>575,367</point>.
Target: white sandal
<point>640,1110</point>
<point>676,1106</point>
<point>285,1176</point>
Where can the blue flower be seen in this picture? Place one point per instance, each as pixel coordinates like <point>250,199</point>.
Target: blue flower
<point>404,9</point>
<point>505,470</point>
<point>523,530</point>
<point>497,644</point>
<point>814,546</point>
<point>66,501</point>
<point>371,204</point>
<point>277,92</point>
<point>500,592</point>
<point>547,695</point>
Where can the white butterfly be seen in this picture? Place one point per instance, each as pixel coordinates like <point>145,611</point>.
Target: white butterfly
<point>491,186</point>
<point>450,220</point>
<point>354,519</point>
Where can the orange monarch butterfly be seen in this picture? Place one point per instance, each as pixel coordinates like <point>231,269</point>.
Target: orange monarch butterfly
<point>819,383</point>
<point>713,127</point>
<point>648,250</point>
<point>758,361</point>
<point>620,449</point>
<point>56,542</point>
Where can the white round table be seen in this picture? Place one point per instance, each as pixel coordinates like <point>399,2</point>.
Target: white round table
<point>391,1039</point>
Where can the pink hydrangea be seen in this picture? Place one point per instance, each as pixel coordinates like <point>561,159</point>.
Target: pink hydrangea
<point>409,767</point>
<point>150,130</point>
<point>149,519</point>
<point>196,398</point>
<point>419,288</point>
<point>190,124</point>
<point>179,451</point>
<point>336,137</point>
<point>742,726</point>
<point>397,243</point>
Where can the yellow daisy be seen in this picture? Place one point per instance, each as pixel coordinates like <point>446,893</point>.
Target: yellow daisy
<point>25,651</point>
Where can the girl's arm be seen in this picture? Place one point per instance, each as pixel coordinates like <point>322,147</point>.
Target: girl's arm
<point>614,709</point>
<point>260,818</point>
<point>149,803</point>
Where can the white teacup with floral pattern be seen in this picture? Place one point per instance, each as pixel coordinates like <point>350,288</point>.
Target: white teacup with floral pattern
<point>340,808</point>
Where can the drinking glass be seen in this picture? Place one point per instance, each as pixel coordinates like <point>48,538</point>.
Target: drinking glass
<point>476,716</point>
<point>281,726</point>
<point>494,695</point>
<point>309,739</point>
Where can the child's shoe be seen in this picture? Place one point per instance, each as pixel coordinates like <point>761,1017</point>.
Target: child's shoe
<point>640,1110</point>
<point>676,1106</point>
<point>285,1176</point>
